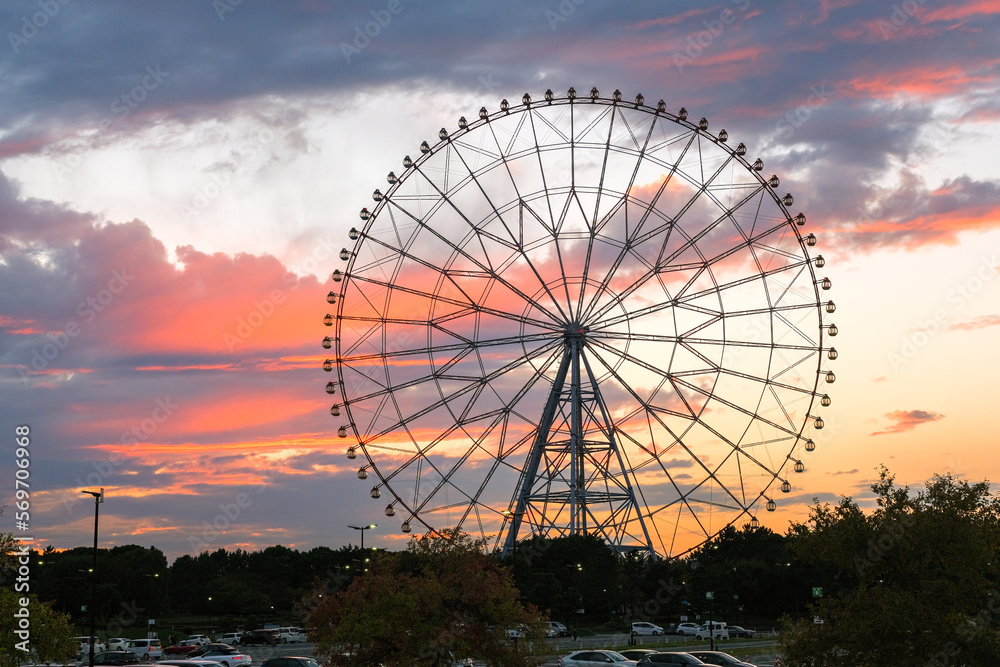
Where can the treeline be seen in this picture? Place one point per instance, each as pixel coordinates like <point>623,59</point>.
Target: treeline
<point>230,588</point>
<point>579,580</point>
<point>916,580</point>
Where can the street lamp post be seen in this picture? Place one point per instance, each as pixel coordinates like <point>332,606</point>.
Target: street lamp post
<point>98,499</point>
<point>363,529</point>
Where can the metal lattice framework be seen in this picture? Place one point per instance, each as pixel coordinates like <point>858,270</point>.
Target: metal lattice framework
<point>580,315</point>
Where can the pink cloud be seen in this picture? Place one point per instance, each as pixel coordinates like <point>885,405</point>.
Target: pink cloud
<point>980,322</point>
<point>907,420</point>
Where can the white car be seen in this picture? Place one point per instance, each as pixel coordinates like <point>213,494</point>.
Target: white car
<point>231,638</point>
<point>292,635</point>
<point>594,658</point>
<point>99,646</point>
<point>718,631</point>
<point>644,628</point>
<point>117,643</point>
<point>556,629</point>
<point>687,629</point>
<point>195,640</point>
<point>227,658</point>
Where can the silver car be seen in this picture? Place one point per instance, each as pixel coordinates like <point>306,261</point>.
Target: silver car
<point>591,658</point>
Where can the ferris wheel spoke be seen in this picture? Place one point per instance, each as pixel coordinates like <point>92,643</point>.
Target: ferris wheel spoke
<point>499,416</point>
<point>794,366</point>
<point>649,408</point>
<point>463,346</point>
<point>634,239</point>
<point>738,408</point>
<point>517,238</point>
<point>509,367</point>
<point>685,299</point>
<point>690,244</point>
<point>666,338</point>
<point>794,327</point>
<point>485,271</point>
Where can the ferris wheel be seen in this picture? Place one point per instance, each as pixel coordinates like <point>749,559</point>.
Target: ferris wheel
<point>580,314</point>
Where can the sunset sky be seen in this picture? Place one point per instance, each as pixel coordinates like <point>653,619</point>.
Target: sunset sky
<point>177,179</point>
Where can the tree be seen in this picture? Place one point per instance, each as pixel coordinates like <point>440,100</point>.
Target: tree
<point>47,634</point>
<point>441,599</point>
<point>914,582</point>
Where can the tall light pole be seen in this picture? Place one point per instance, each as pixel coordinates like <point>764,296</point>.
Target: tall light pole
<point>98,499</point>
<point>363,529</point>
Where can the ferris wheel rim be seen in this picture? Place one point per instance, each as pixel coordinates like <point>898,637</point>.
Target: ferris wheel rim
<point>385,202</point>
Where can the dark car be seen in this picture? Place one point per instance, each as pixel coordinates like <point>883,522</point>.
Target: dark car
<point>260,638</point>
<point>116,658</point>
<point>201,650</point>
<point>290,661</point>
<point>670,658</point>
<point>736,631</point>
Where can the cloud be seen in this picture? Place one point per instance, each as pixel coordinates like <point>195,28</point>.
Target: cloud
<point>912,215</point>
<point>981,322</point>
<point>907,420</point>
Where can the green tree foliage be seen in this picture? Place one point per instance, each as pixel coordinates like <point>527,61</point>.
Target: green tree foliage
<point>442,598</point>
<point>50,633</point>
<point>50,636</point>
<point>913,582</point>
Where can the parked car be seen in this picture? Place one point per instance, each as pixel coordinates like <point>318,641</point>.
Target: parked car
<point>186,662</point>
<point>556,629</point>
<point>720,658</point>
<point>644,628</point>
<point>231,638</point>
<point>84,642</point>
<point>670,658</point>
<point>115,658</point>
<point>591,658</point>
<point>215,646</point>
<point>737,631</point>
<point>195,640</point>
<point>290,661</point>
<point>715,629</point>
<point>291,635</point>
<point>147,649</point>
<point>117,643</point>
<point>260,637</point>
<point>687,629</point>
<point>637,653</point>
<point>227,657</point>
<point>181,649</point>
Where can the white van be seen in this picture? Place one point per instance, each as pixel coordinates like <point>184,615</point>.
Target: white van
<point>719,631</point>
<point>292,635</point>
<point>146,649</point>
